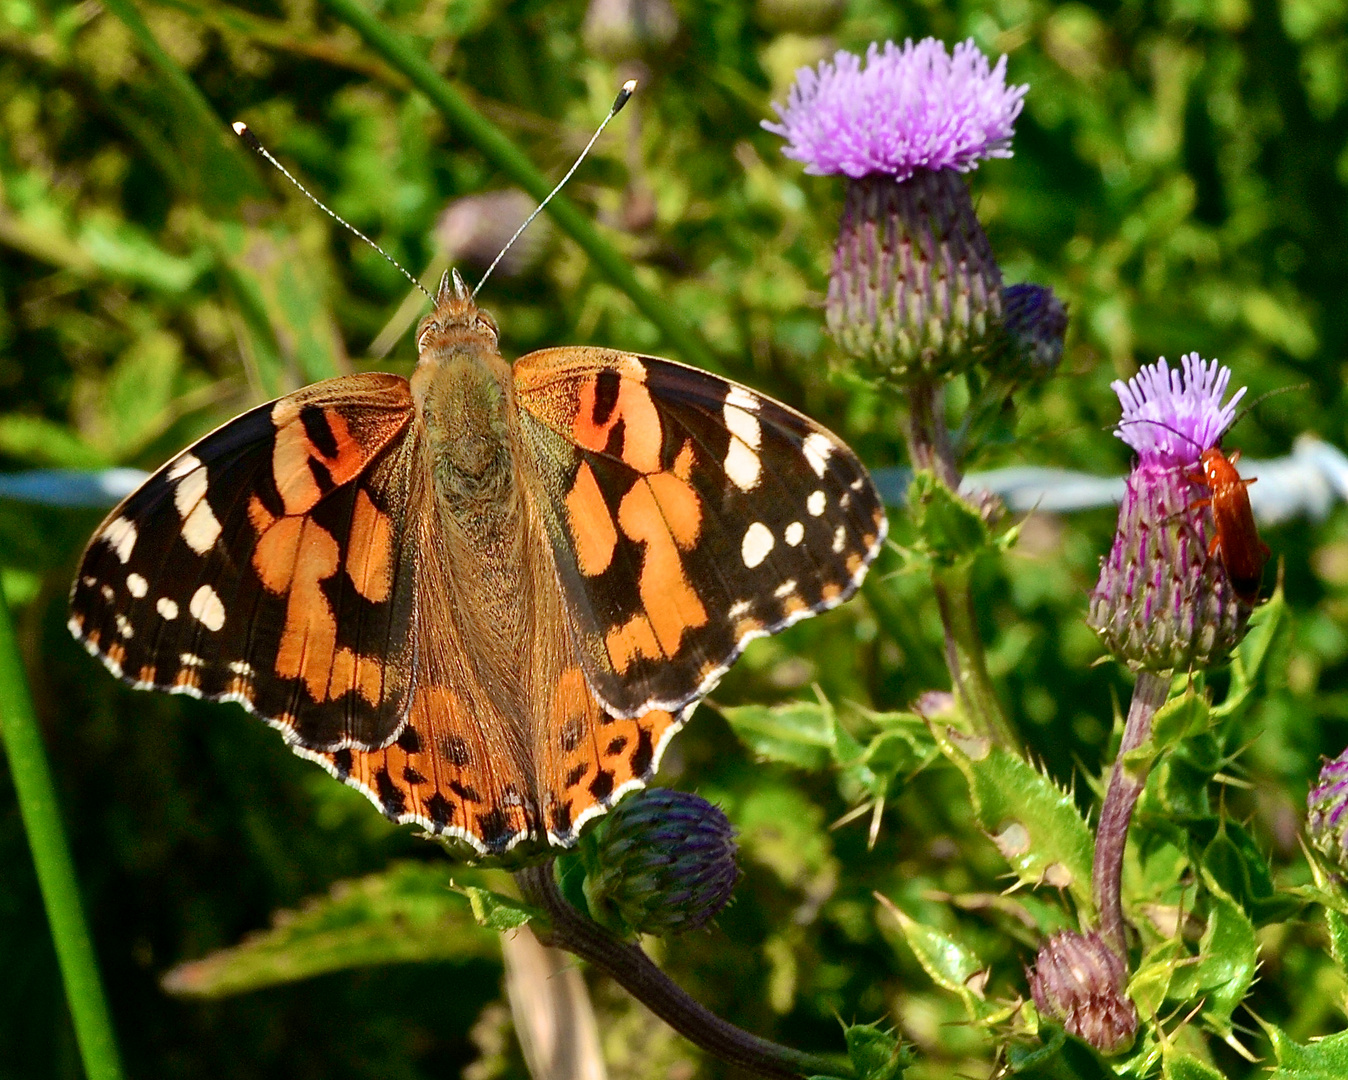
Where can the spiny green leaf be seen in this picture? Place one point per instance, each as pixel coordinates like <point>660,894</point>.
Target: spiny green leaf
<point>1180,1066</point>
<point>949,530</point>
<point>1323,1059</point>
<point>1036,825</point>
<point>408,913</point>
<point>800,733</point>
<point>951,964</point>
<point>1260,657</point>
<point>1228,959</point>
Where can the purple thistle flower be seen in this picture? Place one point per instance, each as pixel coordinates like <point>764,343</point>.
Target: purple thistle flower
<point>1327,811</point>
<point>1163,602</point>
<point>918,107</point>
<point>1170,417</point>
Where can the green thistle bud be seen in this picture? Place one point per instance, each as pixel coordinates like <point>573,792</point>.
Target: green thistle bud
<point>915,290</point>
<point>1079,981</point>
<point>662,863</point>
<point>1327,811</point>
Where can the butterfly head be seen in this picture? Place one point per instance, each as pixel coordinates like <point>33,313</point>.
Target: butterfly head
<point>456,321</point>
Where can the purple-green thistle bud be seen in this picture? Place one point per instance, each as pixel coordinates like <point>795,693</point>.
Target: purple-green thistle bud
<point>662,862</point>
<point>1035,323</point>
<point>1079,981</point>
<point>1327,811</point>
<point>1163,602</point>
<point>915,290</point>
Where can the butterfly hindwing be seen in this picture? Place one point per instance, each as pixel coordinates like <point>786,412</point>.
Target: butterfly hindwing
<point>688,515</point>
<point>265,564</point>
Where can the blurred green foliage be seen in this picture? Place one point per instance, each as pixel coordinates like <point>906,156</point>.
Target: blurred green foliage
<point>1180,178</point>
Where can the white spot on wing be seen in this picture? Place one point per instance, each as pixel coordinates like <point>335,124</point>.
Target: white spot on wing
<point>200,527</point>
<point>743,425</point>
<point>166,608</point>
<point>839,539</point>
<point>188,659</point>
<point>121,537</point>
<point>108,594</point>
<point>741,398</point>
<point>184,465</point>
<point>742,465</point>
<point>815,503</point>
<point>206,608</point>
<point>242,667</point>
<point>757,543</point>
<point>124,627</point>
<point>817,449</point>
<point>795,533</point>
<point>740,607</point>
<point>136,585</point>
<point>785,589</point>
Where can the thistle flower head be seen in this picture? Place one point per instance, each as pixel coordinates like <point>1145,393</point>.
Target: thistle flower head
<point>663,862</point>
<point>1170,417</point>
<point>1163,603</point>
<point>1327,811</point>
<point>909,108</point>
<point>1079,981</point>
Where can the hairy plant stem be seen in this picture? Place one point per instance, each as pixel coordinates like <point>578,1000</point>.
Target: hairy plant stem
<point>929,447</point>
<point>41,814</point>
<point>1126,782</point>
<point>632,969</point>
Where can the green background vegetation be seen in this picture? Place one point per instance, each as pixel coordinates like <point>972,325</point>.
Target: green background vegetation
<point>1180,178</point>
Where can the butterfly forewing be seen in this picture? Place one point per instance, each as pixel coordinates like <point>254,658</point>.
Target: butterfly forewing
<point>688,516</point>
<point>265,565</point>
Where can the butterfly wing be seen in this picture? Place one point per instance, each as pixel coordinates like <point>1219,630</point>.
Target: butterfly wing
<point>688,516</point>
<point>266,565</point>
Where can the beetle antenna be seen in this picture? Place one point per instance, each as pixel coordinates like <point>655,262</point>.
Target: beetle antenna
<point>626,92</point>
<point>1262,398</point>
<point>251,141</point>
<point>1161,424</point>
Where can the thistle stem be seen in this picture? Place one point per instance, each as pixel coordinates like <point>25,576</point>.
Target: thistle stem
<point>632,969</point>
<point>929,447</point>
<point>1125,785</point>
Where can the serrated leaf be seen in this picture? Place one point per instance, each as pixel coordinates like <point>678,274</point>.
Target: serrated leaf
<point>495,911</point>
<point>1227,961</point>
<point>949,530</point>
<point>408,913</point>
<point>1337,926</point>
<point>1323,1059</point>
<point>876,1053</point>
<point>1035,824</point>
<point>1150,984</point>
<point>1240,868</point>
<point>952,965</point>
<point>1178,719</point>
<point>800,733</point>
<point>1176,1065</point>
<point>1257,654</point>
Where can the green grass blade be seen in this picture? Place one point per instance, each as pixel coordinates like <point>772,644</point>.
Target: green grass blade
<point>511,160</point>
<point>55,869</point>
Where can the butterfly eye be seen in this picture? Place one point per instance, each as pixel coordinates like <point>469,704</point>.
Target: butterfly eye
<point>421,338</point>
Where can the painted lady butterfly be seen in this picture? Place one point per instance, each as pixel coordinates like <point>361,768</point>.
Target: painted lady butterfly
<point>486,597</point>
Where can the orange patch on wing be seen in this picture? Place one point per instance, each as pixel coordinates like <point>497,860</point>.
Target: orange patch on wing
<point>831,591</point>
<point>630,642</point>
<point>187,677</point>
<point>310,633</point>
<point>592,529</point>
<point>147,674</point>
<point>684,462</point>
<point>351,671</point>
<point>664,513</point>
<point>369,550</point>
<point>853,563</point>
<point>641,423</point>
<point>294,449</point>
<point>277,552</point>
<point>793,605</point>
<point>116,653</point>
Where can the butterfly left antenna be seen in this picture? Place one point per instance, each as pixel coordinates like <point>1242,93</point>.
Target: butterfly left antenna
<point>250,140</point>
<point>628,88</point>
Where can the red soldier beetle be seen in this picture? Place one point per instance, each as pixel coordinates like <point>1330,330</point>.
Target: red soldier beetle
<point>1236,541</point>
